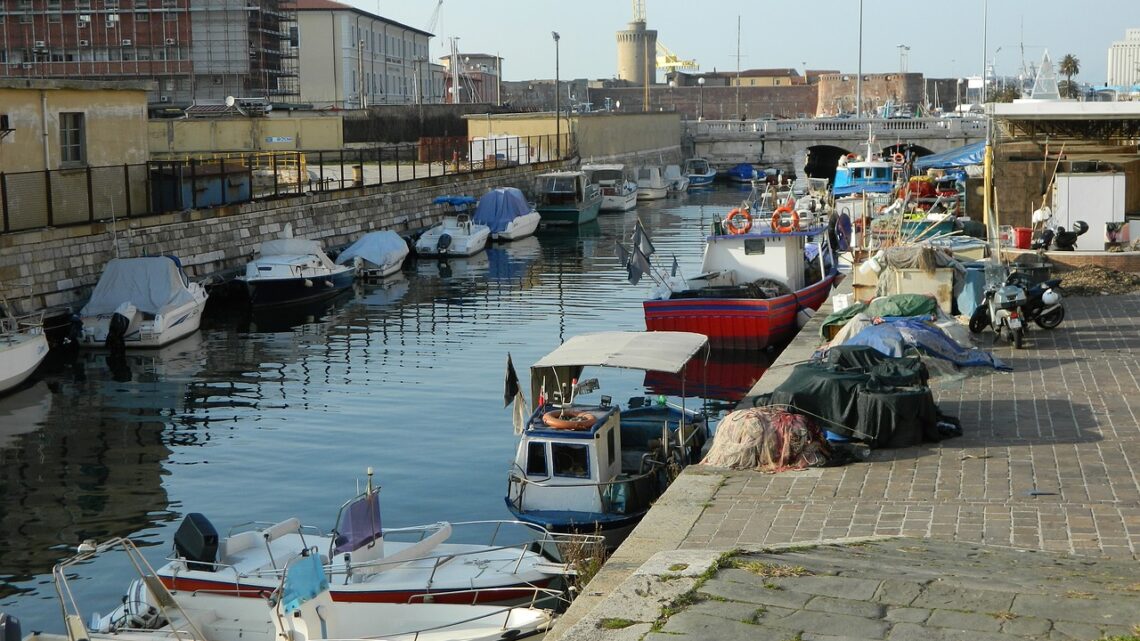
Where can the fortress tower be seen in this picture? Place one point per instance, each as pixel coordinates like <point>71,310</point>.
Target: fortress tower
<point>637,53</point>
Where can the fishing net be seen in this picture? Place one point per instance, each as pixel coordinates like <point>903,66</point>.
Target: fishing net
<point>768,439</point>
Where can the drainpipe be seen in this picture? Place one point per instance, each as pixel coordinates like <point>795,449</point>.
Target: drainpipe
<point>44,127</point>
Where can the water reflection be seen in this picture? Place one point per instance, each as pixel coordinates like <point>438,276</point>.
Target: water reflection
<point>727,376</point>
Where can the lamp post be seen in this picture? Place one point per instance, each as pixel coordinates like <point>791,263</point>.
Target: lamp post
<point>859,79</point>
<point>701,109</point>
<point>672,84</point>
<point>557,105</point>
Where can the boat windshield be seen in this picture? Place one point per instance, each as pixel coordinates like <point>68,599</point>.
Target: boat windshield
<point>358,523</point>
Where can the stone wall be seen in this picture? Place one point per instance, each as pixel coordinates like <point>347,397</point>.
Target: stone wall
<point>60,266</point>
<point>715,103</point>
<point>837,91</point>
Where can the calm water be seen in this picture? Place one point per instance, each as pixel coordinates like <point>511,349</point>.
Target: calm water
<point>267,418</point>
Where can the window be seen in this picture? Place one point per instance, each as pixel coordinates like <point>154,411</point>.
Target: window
<point>571,461</point>
<point>536,459</point>
<point>72,138</point>
<point>610,445</point>
<point>142,16</point>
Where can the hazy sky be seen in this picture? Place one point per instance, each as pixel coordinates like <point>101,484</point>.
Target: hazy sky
<point>945,37</point>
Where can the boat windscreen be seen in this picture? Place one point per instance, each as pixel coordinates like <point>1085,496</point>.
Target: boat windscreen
<point>304,580</point>
<point>358,523</point>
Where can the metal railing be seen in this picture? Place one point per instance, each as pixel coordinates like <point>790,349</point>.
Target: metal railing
<point>66,197</point>
<point>845,127</point>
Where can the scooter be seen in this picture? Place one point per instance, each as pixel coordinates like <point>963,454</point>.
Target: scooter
<point>1002,309</point>
<point>1042,301</point>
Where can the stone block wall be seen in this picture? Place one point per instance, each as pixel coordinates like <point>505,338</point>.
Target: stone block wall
<point>60,266</point>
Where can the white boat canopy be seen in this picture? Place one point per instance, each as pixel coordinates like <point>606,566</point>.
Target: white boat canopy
<point>152,284</point>
<point>377,247</point>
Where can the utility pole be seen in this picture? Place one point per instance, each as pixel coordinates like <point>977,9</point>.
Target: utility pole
<point>859,79</point>
<point>557,104</point>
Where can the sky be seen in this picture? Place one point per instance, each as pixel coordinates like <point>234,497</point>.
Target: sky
<point>944,38</point>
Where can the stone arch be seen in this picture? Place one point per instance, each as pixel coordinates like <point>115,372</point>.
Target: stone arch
<point>822,160</point>
<point>906,148</point>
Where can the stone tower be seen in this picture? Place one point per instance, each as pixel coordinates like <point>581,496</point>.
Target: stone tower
<point>637,53</point>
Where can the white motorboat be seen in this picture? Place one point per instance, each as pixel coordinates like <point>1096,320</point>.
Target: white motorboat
<point>290,271</point>
<point>377,254</point>
<point>678,182</point>
<point>23,346</point>
<point>651,183</point>
<point>498,561</point>
<point>299,607</point>
<point>699,172</point>
<point>507,213</point>
<point>457,235</point>
<point>141,302</point>
<point>619,192</point>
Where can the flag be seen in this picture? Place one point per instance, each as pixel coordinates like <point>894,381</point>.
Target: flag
<point>623,255</point>
<point>640,261</point>
<point>675,269</point>
<point>641,239</point>
<point>511,384</point>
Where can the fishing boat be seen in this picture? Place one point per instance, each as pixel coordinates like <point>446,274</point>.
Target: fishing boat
<point>699,172</point>
<point>23,346</point>
<point>291,271</point>
<point>457,235</point>
<point>298,606</point>
<point>651,183</point>
<point>507,213</point>
<point>754,281</point>
<point>497,561</point>
<point>587,465</point>
<point>865,185</point>
<point>619,192</point>
<point>141,302</point>
<point>567,198</point>
<point>377,254</point>
<point>678,182</point>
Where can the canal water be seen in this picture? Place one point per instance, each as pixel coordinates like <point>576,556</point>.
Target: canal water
<point>279,415</point>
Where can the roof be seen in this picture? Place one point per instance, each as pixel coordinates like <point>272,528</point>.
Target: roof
<point>764,73</point>
<point>649,351</point>
<point>330,5</point>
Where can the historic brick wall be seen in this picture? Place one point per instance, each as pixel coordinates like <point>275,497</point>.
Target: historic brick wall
<point>716,103</point>
<point>837,91</point>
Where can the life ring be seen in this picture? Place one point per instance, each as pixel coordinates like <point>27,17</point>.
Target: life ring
<point>898,158</point>
<point>569,420</point>
<point>778,224</point>
<point>733,227</point>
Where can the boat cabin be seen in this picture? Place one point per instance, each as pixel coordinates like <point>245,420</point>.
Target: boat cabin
<point>562,188</point>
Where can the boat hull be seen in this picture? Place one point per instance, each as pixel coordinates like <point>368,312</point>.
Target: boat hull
<point>520,227</point>
<point>183,321</point>
<point>652,193</point>
<point>613,527</point>
<point>619,202</point>
<point>736,323</point>
<point>291,291</point>
<point>569,215</point>
<point>22,354</point>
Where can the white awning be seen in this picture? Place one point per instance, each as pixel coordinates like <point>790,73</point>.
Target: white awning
<point>649,351</point>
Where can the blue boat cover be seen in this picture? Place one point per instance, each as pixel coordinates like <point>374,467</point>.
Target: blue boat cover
<point>743,170</point>
<point>304,580</point>
<point>459,202</point>
<point>972,154</point>
<point>893,336</point>
<point>498,207</point>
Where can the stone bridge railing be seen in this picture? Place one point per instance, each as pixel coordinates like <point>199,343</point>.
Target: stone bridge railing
<point>837,128</point>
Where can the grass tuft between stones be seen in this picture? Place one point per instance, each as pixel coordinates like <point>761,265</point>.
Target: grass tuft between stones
<point>615,623</point>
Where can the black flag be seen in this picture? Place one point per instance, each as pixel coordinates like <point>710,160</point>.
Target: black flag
<point>511,386</point>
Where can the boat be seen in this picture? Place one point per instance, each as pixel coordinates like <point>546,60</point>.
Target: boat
<point>23,346</point>
<point>619,193</point>
<point>590,465</point>
<point>754,282</point>
<point>678,182</point>
<point>507,213</point>
<point>299,606</point>
<point>292,271</point>
<point>651,183</point>
<point>457,235</point>
<point>865,185</point>
<point>567,198</point>
<point>141,302</point>
<point>377,254</point>
<point>699,172</point>
<point>743,173</point>
<point>497,561</point>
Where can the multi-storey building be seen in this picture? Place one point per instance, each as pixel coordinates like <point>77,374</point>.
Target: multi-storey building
<point>1124,60</point>
<point>194,49</point>
<point>352,59</point>
<point>479,75</point>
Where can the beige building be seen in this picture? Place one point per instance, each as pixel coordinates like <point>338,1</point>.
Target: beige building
<point>72,124</point>
<point>1124,60</point>
<point>351,59</point>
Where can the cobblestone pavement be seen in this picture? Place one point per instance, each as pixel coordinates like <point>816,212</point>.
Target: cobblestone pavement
<point>1049,462</point>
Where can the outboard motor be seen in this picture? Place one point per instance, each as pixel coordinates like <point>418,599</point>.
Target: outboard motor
<point>1044,241</point>
<point>444,242</point>
<point>1067,240</point>
<point>117,328</point>
<point>9,628</point>
<point>196,541</point>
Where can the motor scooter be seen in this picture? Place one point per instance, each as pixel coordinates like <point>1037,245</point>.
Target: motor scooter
<point>1042,301</point>
<point>1001,309</point>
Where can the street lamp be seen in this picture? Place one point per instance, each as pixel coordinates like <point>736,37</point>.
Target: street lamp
<point>701,109</point>
<point>557,106</point>
<point>672,84</point>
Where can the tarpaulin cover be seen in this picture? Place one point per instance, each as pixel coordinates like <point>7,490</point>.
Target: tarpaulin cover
<point>972,154</point>
<point>896,305</point>
<point>377,247</point>
<point>852,400</point>
<point>498,207</point>
<point>768,439</point>
<point>894,336</point>
<point>153,285</point>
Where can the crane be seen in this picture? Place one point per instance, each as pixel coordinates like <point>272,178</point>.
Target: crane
<point>670,61</point>
<point>434,18</point>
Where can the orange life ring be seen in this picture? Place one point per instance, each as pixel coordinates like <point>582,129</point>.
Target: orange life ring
<point>730,221</point>
<point>898,158</point>
<point>778,224</point>
<point>574,420</point>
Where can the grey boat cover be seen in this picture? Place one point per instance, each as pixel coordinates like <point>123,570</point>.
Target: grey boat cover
<point>152,285</point>
<point>376,247</point>
<point>294,247</point>
<point>498,207</point>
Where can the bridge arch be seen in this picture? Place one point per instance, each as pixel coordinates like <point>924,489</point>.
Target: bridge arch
<point>822,161</point>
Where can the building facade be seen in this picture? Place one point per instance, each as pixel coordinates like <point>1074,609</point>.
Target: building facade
<point>351,59</point>
<point>193,49</point>
<point>478,74</point>
<point>1124,60</point>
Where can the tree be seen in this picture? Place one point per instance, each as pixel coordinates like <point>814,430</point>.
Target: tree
<point>1069,67</point>
<point>1008,93</point>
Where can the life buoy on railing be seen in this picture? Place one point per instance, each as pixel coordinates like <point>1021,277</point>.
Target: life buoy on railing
<point>730,221</point>
<point>569,420</point>
<point>898,158</point>
<point>785,220</point>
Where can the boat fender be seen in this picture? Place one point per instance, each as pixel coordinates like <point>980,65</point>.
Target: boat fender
<point>734,227</point>
<point>569,420</point>
<point>785,220</point>
<point>307,282</point>
<point>328,283</point>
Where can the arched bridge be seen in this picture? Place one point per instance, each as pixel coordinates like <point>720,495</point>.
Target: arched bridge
<point>814,145</point>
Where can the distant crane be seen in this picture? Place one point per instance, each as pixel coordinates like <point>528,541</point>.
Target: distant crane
<point>666,59</point>
<point>434,17</point>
